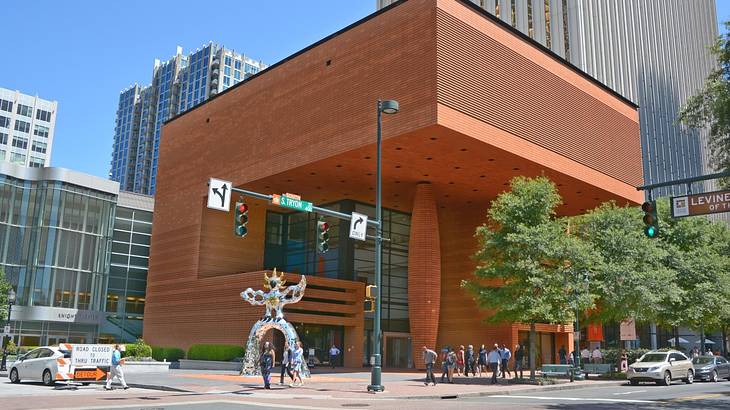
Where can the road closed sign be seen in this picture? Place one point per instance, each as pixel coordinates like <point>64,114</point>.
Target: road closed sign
<point>91,355</point>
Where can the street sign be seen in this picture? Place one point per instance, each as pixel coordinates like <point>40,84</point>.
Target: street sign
<point>6,329</point>
<point>91,355</point>
<point>89,374</point>
<point>700,204</point>
<point>358,226</point>
<point>219,194</point>
<point>292,203</point>
<point>628,330</point>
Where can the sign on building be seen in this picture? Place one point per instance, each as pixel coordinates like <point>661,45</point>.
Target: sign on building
<point>219,194</point>
<point>700,204</point>
<point>91,355</point>
<point>628,330</point>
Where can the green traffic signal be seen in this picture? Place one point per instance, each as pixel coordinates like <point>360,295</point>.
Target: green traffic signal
<point>650,231</point>
<point>651,219</point>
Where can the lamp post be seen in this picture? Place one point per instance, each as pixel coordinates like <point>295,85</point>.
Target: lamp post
<point>384,107</point>
<point>11,300</point>
<point>576,335</point>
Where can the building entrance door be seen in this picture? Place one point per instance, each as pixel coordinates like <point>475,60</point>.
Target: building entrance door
<point>397,350</point>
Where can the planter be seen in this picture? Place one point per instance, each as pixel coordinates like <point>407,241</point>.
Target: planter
<point>145,367</point>
<point>209,365</point>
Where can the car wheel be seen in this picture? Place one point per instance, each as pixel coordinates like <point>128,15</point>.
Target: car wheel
<point>713,376</point>
<point>48,378</point>
<point>14,376</point>
<point>634,382</point>
<point>667,379</point>
<point>690,377</point>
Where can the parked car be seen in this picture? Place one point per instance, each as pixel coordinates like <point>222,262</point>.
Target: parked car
<point>711,368</point>
<point>661,367</point>
<point>38,364</point>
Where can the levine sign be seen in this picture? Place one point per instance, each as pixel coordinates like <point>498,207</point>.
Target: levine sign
<point>700,204</point>
<point>91,355</point>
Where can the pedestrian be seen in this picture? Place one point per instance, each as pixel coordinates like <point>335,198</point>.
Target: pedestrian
<point>334,354</point>
<point>624,362</point>
<point>563,354</point>
<point>115,371</point>
<point>505,354</point>
<point>519,356</point>
<point>451,360</point>
<point>494,358</point>
<point>297,363</point>
<point>709,352</point>
<point>695,352</point>
<point>597,356</point>
<point>482,360</point>
<point>444,363</point>
<point>286,363</point>
<point>429,359</point>
<point>460,360</point>
<point>585,355</point>
<point>266,361</point>
<point>468,359</point>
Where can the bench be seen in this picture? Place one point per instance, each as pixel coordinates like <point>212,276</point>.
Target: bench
<point>556,370</point>
<point>598,368</point>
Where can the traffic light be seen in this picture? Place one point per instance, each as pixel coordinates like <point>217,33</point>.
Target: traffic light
<point>241,219</point>
<point>371,293</point>
<point>323,236</point>
<point>651,220</point>
<point>369,305</point>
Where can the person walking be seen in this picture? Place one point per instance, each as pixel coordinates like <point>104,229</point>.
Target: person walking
<point>482,360</point>
<point>334,354</point>
<point>429,359</point>
<point>597,356</point>
<point>505,354</point>
<point>115,371</point>
<point>585,355</point>
<point>494,359</point>
<point>444,363</point>
<point>451,361</point>
<point>285,363</point>
<point>266,361</point>
<point>563,355</point>
<point>468,358</point>
<point>460,360</point>
<point>297,363</point>
<point>519,355</point>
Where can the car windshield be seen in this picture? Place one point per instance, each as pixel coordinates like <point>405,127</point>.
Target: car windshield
<point>703,360</point>
<point>654,357</point>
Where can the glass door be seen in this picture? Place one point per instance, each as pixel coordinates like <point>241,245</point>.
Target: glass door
<point>398,351</point>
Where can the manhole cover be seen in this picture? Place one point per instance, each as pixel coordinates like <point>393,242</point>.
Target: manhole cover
<point>355,405</point>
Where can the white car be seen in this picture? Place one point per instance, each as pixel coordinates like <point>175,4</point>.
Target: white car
<point>661,367</point>
<point>39,364</point>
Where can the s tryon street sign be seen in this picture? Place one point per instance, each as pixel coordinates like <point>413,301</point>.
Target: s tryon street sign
<point>291,201</point>
<point>219,194</point>
<point>700,204</point>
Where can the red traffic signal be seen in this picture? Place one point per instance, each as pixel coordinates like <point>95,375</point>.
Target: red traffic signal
<point>240,219</point>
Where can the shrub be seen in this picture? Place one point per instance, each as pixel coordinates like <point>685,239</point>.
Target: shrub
<point>612,355</point>
<point>224,353</point>
<point>171,354</point>
<point>137,349</point>
<point>11,347</point>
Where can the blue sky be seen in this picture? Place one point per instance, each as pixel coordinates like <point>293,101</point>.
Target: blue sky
<point>82,53</point>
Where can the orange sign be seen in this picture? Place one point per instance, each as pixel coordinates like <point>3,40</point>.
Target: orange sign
<point>700,204</point>
<point>595,332</point>
<point>89,374</point>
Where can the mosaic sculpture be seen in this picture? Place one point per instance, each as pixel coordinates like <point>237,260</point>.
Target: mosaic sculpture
<point>274,300</point>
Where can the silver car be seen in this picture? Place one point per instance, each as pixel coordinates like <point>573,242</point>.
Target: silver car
<point>661,366</point>
<point>711,368</point>
<point>38,364</point>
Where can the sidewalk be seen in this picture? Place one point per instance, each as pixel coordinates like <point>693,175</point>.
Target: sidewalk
<point>342,385</point>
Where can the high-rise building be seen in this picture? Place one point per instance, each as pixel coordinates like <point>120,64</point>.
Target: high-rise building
<point>653,52</point>
<point>26,128</point>
<point>75,250</point>
<point>178,84</point>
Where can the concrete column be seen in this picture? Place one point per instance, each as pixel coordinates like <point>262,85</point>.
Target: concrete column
<point>424,272</point>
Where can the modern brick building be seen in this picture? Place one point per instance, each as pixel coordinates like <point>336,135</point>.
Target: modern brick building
<point>480,103</point>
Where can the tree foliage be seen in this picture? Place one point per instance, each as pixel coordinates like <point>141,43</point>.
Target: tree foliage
<point>4,288</point>
<point>710,107</point>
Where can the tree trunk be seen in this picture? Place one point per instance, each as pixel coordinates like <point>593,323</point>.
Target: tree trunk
<point>724,340</point>
<point>533,362</point>
<point>702,340</point>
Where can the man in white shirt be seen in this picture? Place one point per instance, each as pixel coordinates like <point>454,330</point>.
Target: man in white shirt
<point>597,356</point>
<point>494,359</point>
<point>334,353</point>
<point>585,355</point>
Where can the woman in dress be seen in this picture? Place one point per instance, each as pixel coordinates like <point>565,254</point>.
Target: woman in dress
<point>460,356</point>
<point>267,362</point>
<point>297,362</point>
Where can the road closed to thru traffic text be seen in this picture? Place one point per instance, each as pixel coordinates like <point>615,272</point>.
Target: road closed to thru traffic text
<point>91,355</point>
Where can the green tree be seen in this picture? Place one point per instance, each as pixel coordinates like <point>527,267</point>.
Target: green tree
<point>710,107</point>
<point>4,288</point>
<point>528,268</point>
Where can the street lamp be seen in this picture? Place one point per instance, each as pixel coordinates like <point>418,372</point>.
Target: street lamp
<point>576,336</point>
<point>11,300</point>
<point>384,107</point>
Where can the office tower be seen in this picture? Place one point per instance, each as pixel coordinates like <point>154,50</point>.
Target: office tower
<point>653,52</point>
<point>178,85</point>
<point>26,128</point>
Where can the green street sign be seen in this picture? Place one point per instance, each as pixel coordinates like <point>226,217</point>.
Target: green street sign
<point>298,204</point>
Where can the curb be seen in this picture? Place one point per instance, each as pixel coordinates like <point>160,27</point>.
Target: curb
<point>160,388</point>
<point>558,387</point>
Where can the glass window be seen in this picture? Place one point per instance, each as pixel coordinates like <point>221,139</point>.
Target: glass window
<point>3,138</point>
<point>40,131</point>
<point>237,75</point>
<point>36,162</point>
<point>17,158</point>
<point>43,115</point>
<point>20,142</point>
<point>237,64</point>
<point>39,147</point>
<point>4,122</point>
<point>22,126</point>
<point>227,60</point>
<point>25,110</point>
<point>6,105</point>
<point>2,155</point>
<point>226,81</point>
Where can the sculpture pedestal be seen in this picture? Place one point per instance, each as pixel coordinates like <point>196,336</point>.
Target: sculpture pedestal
<point>251,366</point>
